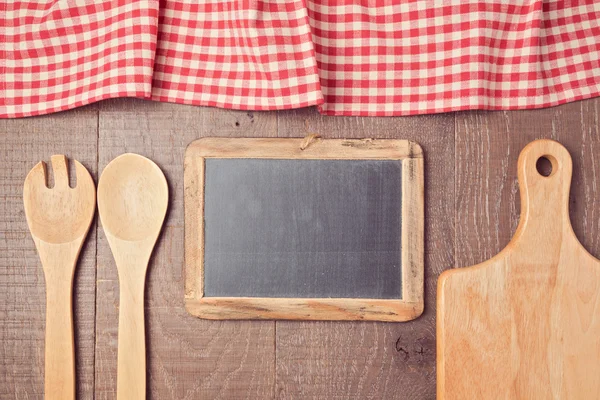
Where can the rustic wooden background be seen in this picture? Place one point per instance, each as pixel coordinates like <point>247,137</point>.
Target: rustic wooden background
<point>472,208</point>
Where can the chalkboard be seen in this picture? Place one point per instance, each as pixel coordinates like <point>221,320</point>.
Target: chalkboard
<point>278,229</point>
<point>302,228</point>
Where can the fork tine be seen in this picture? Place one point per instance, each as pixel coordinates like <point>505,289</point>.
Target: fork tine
<point>37,175</point>
<point>83,175</point>
<point>61,174</point>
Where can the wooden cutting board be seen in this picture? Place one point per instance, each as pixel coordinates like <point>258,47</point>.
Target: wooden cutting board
<point>525,324</point>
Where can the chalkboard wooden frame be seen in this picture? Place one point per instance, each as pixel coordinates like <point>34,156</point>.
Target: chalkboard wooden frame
<point>408,308</point>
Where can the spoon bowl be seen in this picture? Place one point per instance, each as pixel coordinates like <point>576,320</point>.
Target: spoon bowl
<point>132,198</point>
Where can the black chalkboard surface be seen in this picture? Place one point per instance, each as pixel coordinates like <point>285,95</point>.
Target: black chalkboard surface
<point>302,228</point>
<point>275,229</point>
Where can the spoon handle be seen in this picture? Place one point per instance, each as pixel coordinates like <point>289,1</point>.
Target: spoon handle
<point>59,266</point>
<point>131,363</point>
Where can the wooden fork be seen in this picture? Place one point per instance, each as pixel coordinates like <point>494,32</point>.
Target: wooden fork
<point>59,219</point>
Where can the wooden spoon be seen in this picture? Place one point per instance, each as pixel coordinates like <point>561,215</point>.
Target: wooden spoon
<point>132,201</point>
<point>59,220</point>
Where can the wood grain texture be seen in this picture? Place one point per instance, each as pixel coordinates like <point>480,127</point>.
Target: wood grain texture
<point>487,191</point>
<point>132,203</point>
<point>413,232</point>
<point>341,360</point>
<point>488,202</point>
<point>193,359</point>
<point>59,218</point>
<point>187,358</point>
<point>23,143</point>
<point>295,148</point>
<point>524,324</point>
<point>318,309</point>
<point>411,207</point>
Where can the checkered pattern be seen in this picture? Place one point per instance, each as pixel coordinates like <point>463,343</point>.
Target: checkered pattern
<point>56,55</point>
<point>243,54</point>
<point>349,57</point>
<point>405,57</point>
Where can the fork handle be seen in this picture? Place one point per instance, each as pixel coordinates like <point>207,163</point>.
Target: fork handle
<point>59,381</point>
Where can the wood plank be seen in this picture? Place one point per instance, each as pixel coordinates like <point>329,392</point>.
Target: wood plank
<point>24,142</point>
<point>315,360</point>
<point>360,360</point>
<point>187,358</point>
<point>488,202</point>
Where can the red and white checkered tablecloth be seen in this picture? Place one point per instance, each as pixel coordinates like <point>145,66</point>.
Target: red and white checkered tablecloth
<point>251,55</point>
<point>348,57</point>
<point>56,55</point>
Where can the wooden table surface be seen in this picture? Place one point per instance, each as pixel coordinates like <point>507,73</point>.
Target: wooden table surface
<point>472,208</point>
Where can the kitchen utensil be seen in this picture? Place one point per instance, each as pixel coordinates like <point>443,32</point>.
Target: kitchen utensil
<point>59,219</point>
<point>132,202</point>
<point>525,324</point>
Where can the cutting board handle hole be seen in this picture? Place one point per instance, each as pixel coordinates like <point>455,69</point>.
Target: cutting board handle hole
<point>546,165</point>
